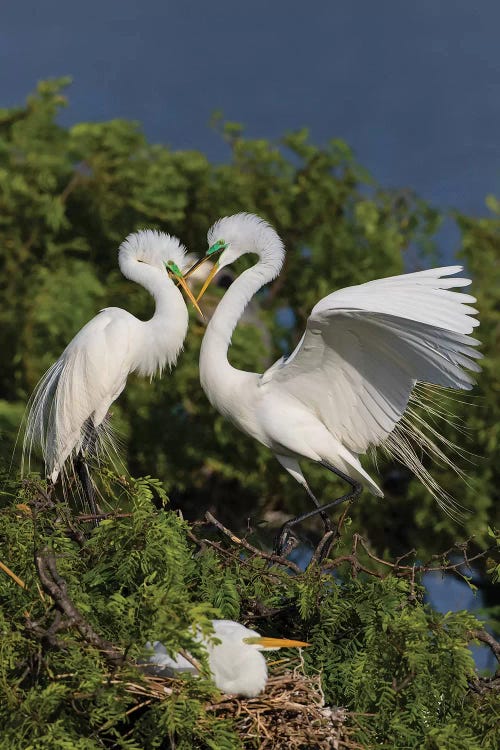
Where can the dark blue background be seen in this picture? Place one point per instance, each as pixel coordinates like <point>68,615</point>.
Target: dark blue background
<point>414,87</point>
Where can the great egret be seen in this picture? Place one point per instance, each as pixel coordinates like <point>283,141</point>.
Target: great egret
<point>236,662</point>
<point>67,411</point>
<point>350,383</point>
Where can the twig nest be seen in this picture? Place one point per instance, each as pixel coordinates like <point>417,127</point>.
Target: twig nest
<point>289,715</point>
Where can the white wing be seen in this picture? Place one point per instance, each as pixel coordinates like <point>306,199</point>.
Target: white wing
<point>168,665</point>
<point>366,346</point>
<point>76,392</point>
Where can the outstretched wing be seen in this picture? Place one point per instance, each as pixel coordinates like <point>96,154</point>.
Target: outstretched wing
<point>365,347</point>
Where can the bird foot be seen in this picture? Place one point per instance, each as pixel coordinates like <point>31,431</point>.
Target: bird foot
<point>285,542</point>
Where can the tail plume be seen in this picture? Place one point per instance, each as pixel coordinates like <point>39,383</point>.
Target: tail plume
<point>416,438</point>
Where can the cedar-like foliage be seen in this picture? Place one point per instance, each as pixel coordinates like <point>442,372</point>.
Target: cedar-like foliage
<point>404,673</point>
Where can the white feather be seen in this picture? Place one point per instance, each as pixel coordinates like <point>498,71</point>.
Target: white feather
<point>72,399</point>
<point>347,386</point>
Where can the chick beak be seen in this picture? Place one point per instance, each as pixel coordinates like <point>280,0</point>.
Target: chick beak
<point>279,643</point>
<point>208,281</point>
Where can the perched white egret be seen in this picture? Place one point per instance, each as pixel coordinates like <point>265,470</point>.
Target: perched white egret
<point>235,657</point>
<point>67,411</point>
<point>350,383</point>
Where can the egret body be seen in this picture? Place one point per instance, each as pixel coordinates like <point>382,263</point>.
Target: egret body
<point>236,661</point>
<point>67,411</point>
<point>346,387</point>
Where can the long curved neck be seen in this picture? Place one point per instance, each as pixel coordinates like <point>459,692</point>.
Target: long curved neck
<point>163,335</point>
<point>215,370</point>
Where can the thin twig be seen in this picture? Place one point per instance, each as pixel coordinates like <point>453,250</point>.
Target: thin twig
<point>406,570</point>
<point>190,659</point>
<point>246,545</point>
<point>323,548</point>
<point>10,573</point>
<point>101,516</point>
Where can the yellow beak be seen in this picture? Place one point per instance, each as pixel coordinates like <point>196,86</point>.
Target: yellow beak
<point>279,643</point>
<point>207,281</point>
<point>195,267</point>
<point>188,292</point>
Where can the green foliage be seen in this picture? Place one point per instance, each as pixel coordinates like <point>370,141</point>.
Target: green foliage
<point>395,660</point>
<point>402,671</point>
<point>68,197</point>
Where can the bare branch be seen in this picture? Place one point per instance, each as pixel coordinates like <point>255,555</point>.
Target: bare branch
<point>485,637</point>
<point>10,573</point>
<point>323,548</point>
<point>54,585</point>
<point>246,545</point>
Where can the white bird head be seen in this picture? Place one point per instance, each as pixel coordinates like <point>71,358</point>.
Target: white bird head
<point>244,233</point>
<point>233,236</point>
<point>155,249</point>
<point>158,251</point>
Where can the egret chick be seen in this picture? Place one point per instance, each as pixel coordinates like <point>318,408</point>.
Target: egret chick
<point>237,664</point>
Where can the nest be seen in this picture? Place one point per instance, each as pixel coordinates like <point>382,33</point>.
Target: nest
<point>289,715</point>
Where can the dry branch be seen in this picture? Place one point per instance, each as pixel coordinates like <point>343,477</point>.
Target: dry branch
<point>54,585</point>
<point>485,637</point>
<point>246,545</point>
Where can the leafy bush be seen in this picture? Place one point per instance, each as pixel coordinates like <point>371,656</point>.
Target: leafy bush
<point>92,597</point>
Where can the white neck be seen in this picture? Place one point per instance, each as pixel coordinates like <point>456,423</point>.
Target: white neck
<point>216,374</point>
<point>163,335</point>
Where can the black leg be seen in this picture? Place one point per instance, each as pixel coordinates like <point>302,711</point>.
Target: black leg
<point>282,538</point>
<point>83,473</point>
<point>82,469</point>
<point>326,520</point>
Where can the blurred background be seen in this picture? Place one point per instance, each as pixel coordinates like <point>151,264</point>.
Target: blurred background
<point>367,133</point>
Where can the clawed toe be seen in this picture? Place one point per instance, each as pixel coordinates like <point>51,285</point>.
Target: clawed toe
<point>285,542</point>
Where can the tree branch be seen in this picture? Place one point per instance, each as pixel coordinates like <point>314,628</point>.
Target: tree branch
<point>54,585</point>
<point>406,570</point>
<point>485,637</point>
<point>246,545</point>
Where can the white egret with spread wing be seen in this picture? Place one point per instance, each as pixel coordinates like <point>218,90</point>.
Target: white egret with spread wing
<point>350,383</point>
<point>68,409</point>
<point>235,657</point>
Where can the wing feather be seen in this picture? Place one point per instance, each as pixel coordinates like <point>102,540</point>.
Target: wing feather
<point>75,393</point>
<point>366,346</point>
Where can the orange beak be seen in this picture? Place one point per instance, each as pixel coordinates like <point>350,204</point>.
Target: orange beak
<point>276,642</point>
<point>175,274</point>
